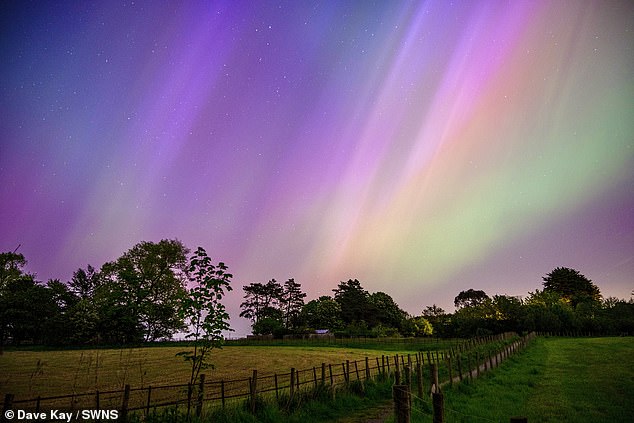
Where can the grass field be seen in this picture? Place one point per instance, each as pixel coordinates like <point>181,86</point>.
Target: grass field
<point>556,380</point>
<point>27,374</point>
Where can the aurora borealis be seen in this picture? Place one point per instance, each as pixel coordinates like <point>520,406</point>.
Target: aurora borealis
<point>422,147</point>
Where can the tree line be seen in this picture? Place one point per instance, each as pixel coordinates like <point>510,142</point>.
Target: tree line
<point>143,296</point>
<point>155,290</point>
<point>567,302</point>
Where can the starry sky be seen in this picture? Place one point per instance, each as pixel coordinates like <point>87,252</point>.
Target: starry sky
<point>422,147</point>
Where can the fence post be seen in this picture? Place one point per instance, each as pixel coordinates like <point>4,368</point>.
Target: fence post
<point>439,407</point>
<point>408,375</point>
<point>419,378</point>
<point>97,400</point>
<point>402,400</point>
<point>124,404</point>
<point>277,392</point>
<point>450,372</point>
<point>292,385</point>
<point>323,374</point>
<point>459,358</point>
<point>254,389</point>
<point>469,367</point>
<point>8,403</point>
<point>201,395</point>
<point>367,368</point>
<point>149,398</point>
<point>332,380</point>
<point>435,386</point>
<point>222,392</point>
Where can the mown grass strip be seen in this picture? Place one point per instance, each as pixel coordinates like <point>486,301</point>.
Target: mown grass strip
<point>555,380</point>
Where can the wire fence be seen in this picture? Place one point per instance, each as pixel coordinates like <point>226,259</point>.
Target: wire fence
<point>414,367</point>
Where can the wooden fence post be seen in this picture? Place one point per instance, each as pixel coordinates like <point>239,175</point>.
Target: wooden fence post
<point>439,407</point>
<point>469,367</point>
<point>402,401</point>
<point>124,403</point>
<point>292,385</point>
<point>435,386</point>
<point>149,399</point>
<point>367,368</point>
<point>222,392</point>
<point>459,358</point>
<point>201,395</point>
<point>97,400</point>
<point>408,375</point>
<point>323,374</point>
<point>450,372</point>
<point>277,389</point>
<point>253,390</point>
<point>419,379</point>
<point>8,403</point>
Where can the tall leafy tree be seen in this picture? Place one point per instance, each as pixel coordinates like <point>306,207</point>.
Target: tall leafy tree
<point>14,284</point>
<point>354,302</point>
<point>291,303</point>
<point>203,311</point>
<point>322,313</point>
<point>572,286</point>
<point>87,285</point>
<point>470,298</point>
<point>262,301</point>
<point>149,280</point>
<point>386,311</point>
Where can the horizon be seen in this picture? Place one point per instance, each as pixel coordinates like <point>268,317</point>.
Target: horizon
<point>421,148</point>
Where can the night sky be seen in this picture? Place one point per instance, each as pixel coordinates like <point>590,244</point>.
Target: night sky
<point>422,147</point>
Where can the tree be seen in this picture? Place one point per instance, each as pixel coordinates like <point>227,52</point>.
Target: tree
<point>547,311</point>
<point>354,302</point>
<point>84,283</point>
<point>291,303</point>
<point>571,285</point>
<point>203,311</point>
<point>418,326</point>
<point>508,313</point>
<point>261,301</point>
<point>61,301</point>
<point>387,312</point>
<point>148,279</point>
<point>437,317</point>
<point>470,298</point>
<point>84,317</point>
<point>17,314</point>
<point>322,313</point>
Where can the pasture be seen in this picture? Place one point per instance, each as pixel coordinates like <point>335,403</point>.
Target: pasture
<point>28,374</point>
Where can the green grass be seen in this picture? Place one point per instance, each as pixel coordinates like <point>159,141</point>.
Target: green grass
<point>347,406</point>
<point>555,380</point>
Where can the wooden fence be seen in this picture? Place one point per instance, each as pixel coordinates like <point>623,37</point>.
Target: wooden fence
<point>221,392</point>
<point>402,394</point>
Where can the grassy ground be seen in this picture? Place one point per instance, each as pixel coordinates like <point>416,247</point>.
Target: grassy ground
<point>556,380</point>
<point>28,374</point>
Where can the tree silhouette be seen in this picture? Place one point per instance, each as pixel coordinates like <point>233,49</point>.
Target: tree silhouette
<point>572,286</point>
